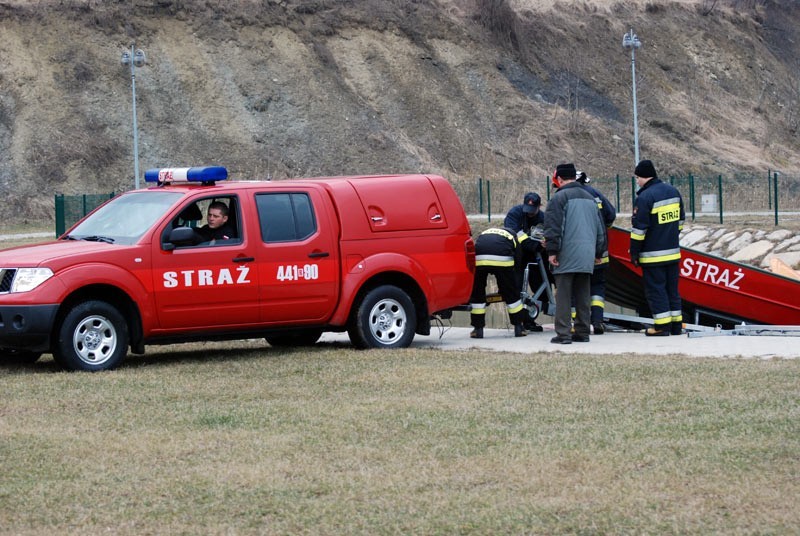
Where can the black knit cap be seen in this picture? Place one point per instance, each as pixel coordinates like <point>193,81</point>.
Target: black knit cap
<point>531,202</point>
<point>645,169</point>
<point>566,171</point>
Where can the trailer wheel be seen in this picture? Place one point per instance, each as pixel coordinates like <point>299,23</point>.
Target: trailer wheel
<point>93,336</point>
<point>384,318</point>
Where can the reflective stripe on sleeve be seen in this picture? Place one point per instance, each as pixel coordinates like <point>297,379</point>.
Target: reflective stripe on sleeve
<point>637,234</point>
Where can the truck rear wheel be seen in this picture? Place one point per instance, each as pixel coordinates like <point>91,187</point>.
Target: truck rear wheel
<point>384,318</point>
<point>93,336</point>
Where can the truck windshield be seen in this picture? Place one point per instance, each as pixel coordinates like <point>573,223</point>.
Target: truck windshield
<point>124,219</point>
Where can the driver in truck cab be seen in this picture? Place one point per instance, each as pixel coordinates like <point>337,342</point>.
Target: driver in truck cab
<point>217,227</point>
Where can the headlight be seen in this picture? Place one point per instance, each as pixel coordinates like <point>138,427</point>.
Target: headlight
<point>29,278</point>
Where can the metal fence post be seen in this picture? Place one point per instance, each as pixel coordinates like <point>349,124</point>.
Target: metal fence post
<point>691,195</point>
<point>633,193</point>
<point>769,188</point>
<point>489,199</point>
<point>59,202</point>
<point>775,190</point>
<point>480,195</point>
<point>617,183</point>
<point>719,193</point>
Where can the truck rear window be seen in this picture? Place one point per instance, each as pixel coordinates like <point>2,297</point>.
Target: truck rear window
<point>285,216</point>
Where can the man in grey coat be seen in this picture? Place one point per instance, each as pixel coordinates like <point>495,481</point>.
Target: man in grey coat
<point>575,241</point>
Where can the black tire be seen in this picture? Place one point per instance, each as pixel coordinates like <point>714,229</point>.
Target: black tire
<point>18,357</point>
<point>93,336</point>
<point>306,337</point>
<point>531,311</point>
<point>384,318</point>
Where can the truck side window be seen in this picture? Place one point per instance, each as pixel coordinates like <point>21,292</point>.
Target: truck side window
<point>195,217</point>
<point>285,217</point>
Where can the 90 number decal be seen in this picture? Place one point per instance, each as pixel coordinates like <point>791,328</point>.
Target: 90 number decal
<point>293,272</point>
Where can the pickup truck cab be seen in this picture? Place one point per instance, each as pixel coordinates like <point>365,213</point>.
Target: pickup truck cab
<point>376,256</point>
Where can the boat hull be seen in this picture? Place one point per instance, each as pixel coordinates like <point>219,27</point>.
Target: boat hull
<point>713,289</point>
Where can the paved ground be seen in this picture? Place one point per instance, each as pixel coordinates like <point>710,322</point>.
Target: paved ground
<point>501,340</point>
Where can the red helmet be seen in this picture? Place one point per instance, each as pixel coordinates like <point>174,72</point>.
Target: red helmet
<point>555,179</point>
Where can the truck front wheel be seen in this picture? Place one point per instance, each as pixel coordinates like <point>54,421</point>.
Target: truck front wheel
<point>93,336</point>
<point>384,318</point>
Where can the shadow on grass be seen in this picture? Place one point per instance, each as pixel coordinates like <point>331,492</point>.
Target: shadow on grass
<point>185,354</point>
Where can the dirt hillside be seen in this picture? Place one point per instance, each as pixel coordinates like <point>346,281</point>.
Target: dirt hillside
<point>465,88</point>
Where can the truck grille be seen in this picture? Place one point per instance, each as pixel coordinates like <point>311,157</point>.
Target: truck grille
<point>6,278</point>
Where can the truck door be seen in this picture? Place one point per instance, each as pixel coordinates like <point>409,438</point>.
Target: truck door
<point>297,256</point>
<point>206,284</point>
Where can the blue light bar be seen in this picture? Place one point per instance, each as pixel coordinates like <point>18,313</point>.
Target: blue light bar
<point>206,174</point>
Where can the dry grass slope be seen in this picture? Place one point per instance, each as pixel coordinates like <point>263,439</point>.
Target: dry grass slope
<point>465,88</point>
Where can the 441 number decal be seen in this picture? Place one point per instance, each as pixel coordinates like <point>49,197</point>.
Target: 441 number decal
<point>293,272</point>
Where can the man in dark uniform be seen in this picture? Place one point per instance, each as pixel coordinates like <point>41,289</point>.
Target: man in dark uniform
<point>656,224</point>
<point>497,252</point>
<point>598,280</point>
<point>522,220</point>
<point>217,227</point>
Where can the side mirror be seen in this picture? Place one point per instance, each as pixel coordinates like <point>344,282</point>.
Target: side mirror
<point>180,236</point>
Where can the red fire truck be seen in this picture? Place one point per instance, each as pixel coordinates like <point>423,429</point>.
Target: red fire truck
<point>376,256</point>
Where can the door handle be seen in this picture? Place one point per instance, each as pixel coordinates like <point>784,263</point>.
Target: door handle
<point>244,259</point>
<point>318,254</point>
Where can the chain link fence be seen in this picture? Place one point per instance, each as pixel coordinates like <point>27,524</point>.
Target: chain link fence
<point>71,208</point>
<point>770,198</point>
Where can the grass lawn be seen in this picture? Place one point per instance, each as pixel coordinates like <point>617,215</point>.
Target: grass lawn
<point>240,438</point>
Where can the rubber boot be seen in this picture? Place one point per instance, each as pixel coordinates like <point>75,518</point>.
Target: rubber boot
<point>476,333</point>
<point>655,332</point>
<point>519,331</point>
<point>676,328</point>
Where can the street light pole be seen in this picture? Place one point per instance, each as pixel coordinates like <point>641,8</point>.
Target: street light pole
<point>134,58</point>
<point>630,40</point>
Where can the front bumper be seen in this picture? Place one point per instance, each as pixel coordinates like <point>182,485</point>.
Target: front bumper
<point>26,327</point>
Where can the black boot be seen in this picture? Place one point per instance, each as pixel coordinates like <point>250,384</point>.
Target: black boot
<point>476,333</point>
<point>655,332</point>
<point>676,328</point>
<point>531,325</point>
<point>519,331</point>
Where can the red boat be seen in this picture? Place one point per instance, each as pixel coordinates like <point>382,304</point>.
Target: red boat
<point>714,290</point>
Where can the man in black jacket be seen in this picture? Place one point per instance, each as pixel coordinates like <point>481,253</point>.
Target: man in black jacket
<point>217,227</point>
<point>656,224</point>
<point>598,280</point>
<point>522,220</point>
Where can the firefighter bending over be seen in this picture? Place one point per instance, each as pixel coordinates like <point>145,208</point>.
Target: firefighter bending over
<point>497,252</point>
